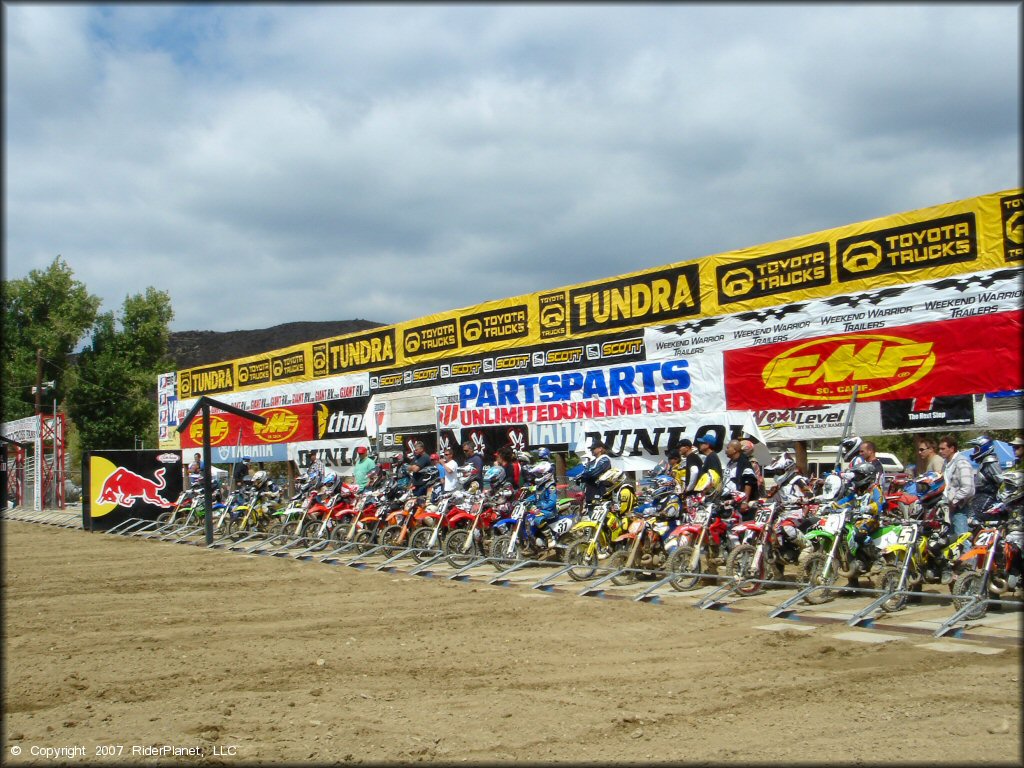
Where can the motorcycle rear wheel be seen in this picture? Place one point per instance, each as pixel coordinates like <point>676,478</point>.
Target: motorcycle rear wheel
<point>679,562</point>
<point>813,568</point>
<point>364,540</point>
<point>969,585</point>
<point>740,565</point>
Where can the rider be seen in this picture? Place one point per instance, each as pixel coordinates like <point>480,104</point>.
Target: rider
<point>792,488</point>
<point>595,467</point>
<point>546,500</point>
<point>988,476</point>
<point>315,470</point>
<point>867,498</point>
<point>710,476</point>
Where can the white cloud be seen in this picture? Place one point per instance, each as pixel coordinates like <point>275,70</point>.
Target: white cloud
<point>269,164</point>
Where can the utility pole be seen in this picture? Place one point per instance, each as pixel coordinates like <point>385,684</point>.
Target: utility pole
<point>39,381</point>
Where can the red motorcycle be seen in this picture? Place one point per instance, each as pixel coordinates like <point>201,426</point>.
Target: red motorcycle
<point>764,551</point>
<point>471,534</point>
<point>705,542</point>
<point>325,515</point>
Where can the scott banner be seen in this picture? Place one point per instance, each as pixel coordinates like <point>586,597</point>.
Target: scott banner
<point>976,354</point>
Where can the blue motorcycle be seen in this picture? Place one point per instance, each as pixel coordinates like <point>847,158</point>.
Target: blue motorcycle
<point>519,536</point>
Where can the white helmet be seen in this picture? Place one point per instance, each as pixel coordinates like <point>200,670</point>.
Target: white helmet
<point>260,478</point>
<point>850,448</point>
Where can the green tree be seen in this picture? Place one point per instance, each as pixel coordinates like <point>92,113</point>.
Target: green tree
<point>112,393</point>
<point>47,310</point>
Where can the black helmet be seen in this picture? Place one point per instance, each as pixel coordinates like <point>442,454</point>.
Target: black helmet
<point>864,476</point>
<point>428,474</point>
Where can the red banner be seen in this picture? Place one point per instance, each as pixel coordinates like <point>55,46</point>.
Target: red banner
<point>953,357</point>
<point>290,424</point>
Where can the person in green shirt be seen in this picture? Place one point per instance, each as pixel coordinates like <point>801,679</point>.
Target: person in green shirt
<point>363,467</point>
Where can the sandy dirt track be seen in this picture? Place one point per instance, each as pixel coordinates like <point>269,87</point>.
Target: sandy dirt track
<point>120,641</point>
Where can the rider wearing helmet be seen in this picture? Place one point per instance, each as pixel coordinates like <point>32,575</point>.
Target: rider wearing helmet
<point>849,451</point>
<point>868,499</point>
<point>595,467</point>
<point>546,499</point>
<point>494,477</point>
<point>988,477</point>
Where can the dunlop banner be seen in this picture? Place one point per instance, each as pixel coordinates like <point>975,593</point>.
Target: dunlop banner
<point>941,242</point>
<point>928,360</point>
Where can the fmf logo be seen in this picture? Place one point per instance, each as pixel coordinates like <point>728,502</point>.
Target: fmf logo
<point>828,369</point>
<point>281,425</point>
<point>218,430</point>
<point>620,348</point>
<point>447,414</point>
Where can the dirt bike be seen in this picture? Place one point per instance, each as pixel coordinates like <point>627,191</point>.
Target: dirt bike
<point>256,515</point>
<point>401,523</point>
<point>472,528</point>
<point>704,543</point>
<point>643,547</point>
<point>996,559</point>
<point>364,513</point>
<point>518,537</point>
<point>429,537</point>
<point>763,552</point>
<point>594,538</point>
<point>833,551</point>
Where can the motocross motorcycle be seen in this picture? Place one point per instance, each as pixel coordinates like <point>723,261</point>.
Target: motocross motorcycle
<point>643,547</point>
<point>594,538</point>
<point>994,562</point>
<point>704,542</point>
<point>518,536</point>
<point>438,523</point>
<point>764,552</point>
<point>833,550</point>
<point>472,528</point>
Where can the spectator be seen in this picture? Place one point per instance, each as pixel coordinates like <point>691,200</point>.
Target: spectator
<point>476,460</point>
<point>241,471</point>
<point>739,475</point>
<point>362,468</point>
<point>513,469</point>
<point>869,452</point>
<point>195,470</point>
<point>448,469</point>
<point>959,476</point>
<point>1018,452</point>
<point>692,464</point>
<point>710,478</point>
<point>420,461</point>
<point>315,470</point>
<point>594,468</point>
<point>747,446</point>
<point>928,459</point>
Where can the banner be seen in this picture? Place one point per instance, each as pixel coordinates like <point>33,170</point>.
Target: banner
<point>935,243</point>
<point>284,425</point>
<point>335,454</point>
<point>813,422</point>
<point>651,437</point>
<point>928,360</point>
<point>668,387</point>
<point>117,485</point>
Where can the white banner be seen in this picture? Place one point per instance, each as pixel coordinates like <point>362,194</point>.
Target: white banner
<point>981,293</point>
<point>377,420</point>
<point>630,390</point>
<point>335,454</point>
<point>649,437</point>
<point>813,422</point>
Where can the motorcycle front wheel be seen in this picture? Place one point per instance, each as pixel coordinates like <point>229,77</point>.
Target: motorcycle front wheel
<point>585,566</point>
<point>887,581</point>
<point>616,561</point>
<point>967,586</point>
<point>740,565</point>
<point>501,559</point>
<point>679,562</point>
<point>419,541</point>
<point>453,545</point>
<point>814,567</point>
<point>389,538</point>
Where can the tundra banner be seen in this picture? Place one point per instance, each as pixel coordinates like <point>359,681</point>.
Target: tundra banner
<point>117,485</point>
<point>935,243</point>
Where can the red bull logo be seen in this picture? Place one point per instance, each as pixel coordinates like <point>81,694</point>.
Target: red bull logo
<point>123,487</point>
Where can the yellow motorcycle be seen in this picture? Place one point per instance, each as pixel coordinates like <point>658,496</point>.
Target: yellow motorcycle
<point>603,529</point>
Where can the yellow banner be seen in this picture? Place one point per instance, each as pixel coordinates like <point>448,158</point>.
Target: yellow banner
<point>941,241</point>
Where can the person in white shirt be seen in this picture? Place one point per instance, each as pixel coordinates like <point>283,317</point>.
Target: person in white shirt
<point>449,470</point>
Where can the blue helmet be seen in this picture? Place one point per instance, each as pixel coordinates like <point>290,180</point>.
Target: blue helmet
<point>543,454</point>
<point>983,446</point>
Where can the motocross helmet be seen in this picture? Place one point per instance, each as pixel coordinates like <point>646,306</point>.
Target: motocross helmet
<point>329,479</point>
<point>494,476</point>
<point>612,477</point>
<point>542,474</point>
<point>864,476</point>
<point>260,479</point>
<point>782,464</point>
<point>850,448</point>
<point>709,482</point>
<point>930,487</point>
<point>543,454</point>
<point>983,446</point>
<point>1012,488</point>
<point>428,475</point>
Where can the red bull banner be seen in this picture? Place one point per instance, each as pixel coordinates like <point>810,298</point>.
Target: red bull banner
<point>981,353</point>
<point>118,485</point>
<point>286,424</point>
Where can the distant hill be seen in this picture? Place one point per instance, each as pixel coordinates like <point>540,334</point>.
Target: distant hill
<point>192,348</point>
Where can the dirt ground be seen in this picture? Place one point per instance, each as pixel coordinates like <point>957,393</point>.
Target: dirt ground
<point>123,643</point>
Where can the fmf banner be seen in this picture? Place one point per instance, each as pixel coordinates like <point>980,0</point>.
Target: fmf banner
<point>943,241</point>
<point>639,389</point>
<point>117,485</point>
<point>651,437</point>
<point>284,425</point>
<point>927,360</point>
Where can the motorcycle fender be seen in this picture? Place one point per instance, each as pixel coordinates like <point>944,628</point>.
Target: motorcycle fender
<point>819,534</point>
<point>973,553</point>
<point>584,525</point>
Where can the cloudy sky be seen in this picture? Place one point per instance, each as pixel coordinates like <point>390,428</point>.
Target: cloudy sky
<point>268,164</point>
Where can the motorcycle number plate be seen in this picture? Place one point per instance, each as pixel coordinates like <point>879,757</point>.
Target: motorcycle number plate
<point>834,523</point>
<point>563,526</point>
<point>517,513</point>
<point>701,516</point>
<point>763,516</point>
<point>636,526</point>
